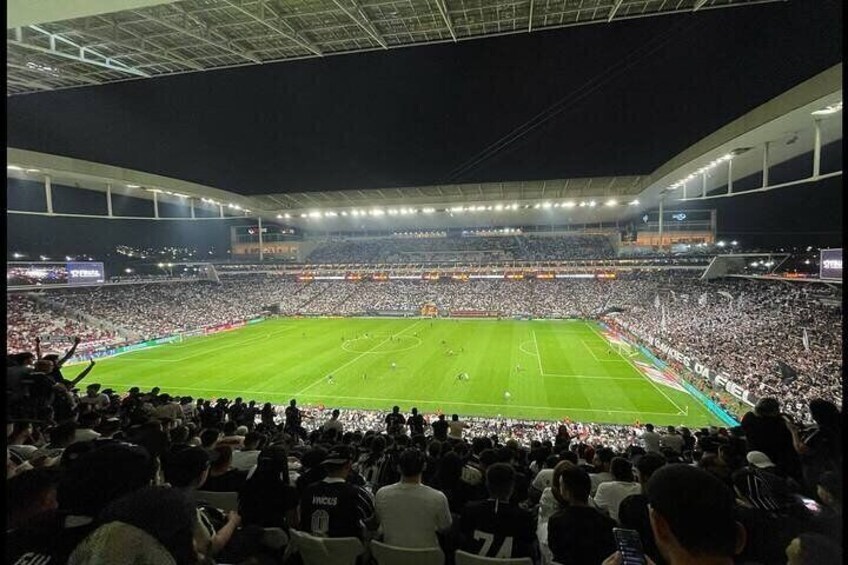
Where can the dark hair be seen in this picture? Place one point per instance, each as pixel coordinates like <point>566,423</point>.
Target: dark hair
<point>573,479</point>
<point>500,479</point>
<point>336,413</point>
<point>649,427</point>
<point>648,464</point>
<point>180,434</point>
<point>182,467</point>
<point>455,417</point>
<point>605,455</point>
<point>698,507</point>
<point>225,456</point>
<point>166,514</point>
<point>209,436</point>
<point>825,414</point>
<point>104,475</point>
<point>253,438</point>
<point>24,489</point>
<point>488,457</point>
<point>63,433</point>
<point>569,456</point>
<point>449,471</point>
<point>411,462</point>
<point>767,407</point>
<point>621,469</point>
<point>230,428</point>
<point>817,549</point>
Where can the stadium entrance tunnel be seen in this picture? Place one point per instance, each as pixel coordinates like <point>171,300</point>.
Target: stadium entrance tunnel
<point>381,343</point>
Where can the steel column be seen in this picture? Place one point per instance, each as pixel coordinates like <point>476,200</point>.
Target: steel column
<point>48,194</point>
<point>703,185</point>
<point>661,223</point>
<point>261,251</point>
<point>817,148</point>
<point>765,163</point>
<point>191,207</point>
<point>156,205</point>
<point>109,200</point>
<point>730,176</point>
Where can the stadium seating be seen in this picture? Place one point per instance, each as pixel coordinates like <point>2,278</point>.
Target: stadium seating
<point>385,554</point>
<point>465,558</point>
<point>326,551</point>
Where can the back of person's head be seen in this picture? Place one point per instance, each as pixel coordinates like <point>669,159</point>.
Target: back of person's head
<point>209,436</point>
<point>180,434</point>
<point>164,514</point>
<point>605,455</point>
<point>621,469</point>
<point>500,480</point>
<point>104,475</point>
<point>185,467</point>
<point>395,409</point>
<point>414,411</point>
<point>230,428</point>
<point>449,470</point>
<point>30,494</point>
<point>442,417</point>
<point>569,456</point>
<point>813,549</point>
<point>224,457</point>
<point>693,511</point>
<point>411,462</point>
<point>62,434</point>
<point>273,461</point>
<point>88,419</point>
<point>252,441</point>
<point>455,417</point>
<point>336,413</point>
<point>488,457</point>
<point>647,465</point>
<point>649,427</point>
<point>551,461</point>
<point>767,407</point>
<point>825,414</point>
<point>671,429</point>
<point>572,483</point>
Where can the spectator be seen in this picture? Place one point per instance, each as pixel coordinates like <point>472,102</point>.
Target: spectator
<point>85,429</point>
<point>766,431</point>
<point>692,517</point>
<point>401,527</point>
<point>602,460</point>
<point>395,421</point>
<point>334,424</point>
<point>94,399</point>
<point>30,497</point>
<point>245,458</point>
<point>578,533</point>
<point>672,441</point>
<point>222,476</point>
<point>293,421</point>
<point>333,507</point>
<point>416,423</point>
<point>633,510</point>
<point>440,428</point>
<point>268,499</point>
<point>455,427</point>
<point>497,527</point>
<point>651,439</point>
<point>611,493</point>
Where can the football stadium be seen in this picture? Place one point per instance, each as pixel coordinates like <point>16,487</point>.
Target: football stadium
<point>306,282</point>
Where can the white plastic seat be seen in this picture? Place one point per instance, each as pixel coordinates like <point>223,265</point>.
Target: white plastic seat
<point>385,554</point>
<point>326,551</point>
<point>465,558</point>
<point>225,501</point>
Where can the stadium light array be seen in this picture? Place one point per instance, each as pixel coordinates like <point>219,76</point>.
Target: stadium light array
<point>44,257</point>
<point>568,204</point>
<point>634,203</point>
<point>17,255</point>
<point>611,202</point>
<point>592,204</point>
<point>712,164</point>
<point>720,244</point>
<point>128,270</point>
<point>133,186</point>
<point>13,168</point>
<point>734,243</point>
<point>32,171</point>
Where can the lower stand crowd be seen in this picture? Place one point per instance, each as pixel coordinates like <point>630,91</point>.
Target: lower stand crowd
<point>148,478</point>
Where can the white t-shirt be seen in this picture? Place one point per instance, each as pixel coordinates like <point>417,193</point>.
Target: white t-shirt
<point>610,495</point>
<point>597,479</point>
<point>244,460</point>
<point>410,514</point>
<point>455,429</point>
<point>673,441</point>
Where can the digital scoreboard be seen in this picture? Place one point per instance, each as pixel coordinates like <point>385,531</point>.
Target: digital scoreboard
<point>830,266</point>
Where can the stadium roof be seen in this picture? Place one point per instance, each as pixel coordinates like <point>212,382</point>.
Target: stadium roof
<point>55,44</point>
<point>786,123</point>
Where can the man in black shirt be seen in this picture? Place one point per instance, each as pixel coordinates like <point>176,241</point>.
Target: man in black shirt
<point>497,527</point>
<point>293,419</point>
<point>578,533</point>
<point>440,428</point>
<point>395,421</point>
<point>416,423</point>
<point>333,507</point>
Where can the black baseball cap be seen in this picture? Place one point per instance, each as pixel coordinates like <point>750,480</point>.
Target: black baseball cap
<point>339,455</point>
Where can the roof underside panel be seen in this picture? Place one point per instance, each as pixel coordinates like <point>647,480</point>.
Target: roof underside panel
<point>195,35</point>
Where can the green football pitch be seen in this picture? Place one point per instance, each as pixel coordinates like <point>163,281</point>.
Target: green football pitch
<point>551,369</point>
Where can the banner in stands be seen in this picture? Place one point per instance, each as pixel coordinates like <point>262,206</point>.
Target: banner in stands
<point>473,314</point>
<point>715,378</point>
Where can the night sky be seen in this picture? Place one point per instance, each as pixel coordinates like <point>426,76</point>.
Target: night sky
<point>616,99</point>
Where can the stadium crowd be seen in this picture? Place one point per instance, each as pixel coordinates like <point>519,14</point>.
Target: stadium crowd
<point>475,249</point>
<point>145,477</point>
<point>744,328</point>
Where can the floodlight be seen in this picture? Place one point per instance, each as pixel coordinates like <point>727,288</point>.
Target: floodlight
<point>568,204</point>
<point>611,202</point>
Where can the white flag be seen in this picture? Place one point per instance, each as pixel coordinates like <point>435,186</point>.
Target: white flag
<point>657,301</point>
<point>806,340</point>
<point>702,301</point>
<point>662,322</point>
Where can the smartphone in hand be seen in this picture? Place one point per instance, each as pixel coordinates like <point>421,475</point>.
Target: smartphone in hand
<point>630,546</point>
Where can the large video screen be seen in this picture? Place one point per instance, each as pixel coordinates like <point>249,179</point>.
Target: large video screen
<point>42,274</point>
<point>85,273</point>
<point>830,266</point>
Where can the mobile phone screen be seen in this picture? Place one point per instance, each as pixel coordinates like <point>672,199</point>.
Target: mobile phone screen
<point>630,546</point>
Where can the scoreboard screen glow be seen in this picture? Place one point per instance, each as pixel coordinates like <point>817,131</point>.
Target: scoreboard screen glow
<point>85,273</point>
<point>830,266</point>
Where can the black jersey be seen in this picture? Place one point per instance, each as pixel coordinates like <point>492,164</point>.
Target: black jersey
<point>334,508</point>
<point>493,528</point>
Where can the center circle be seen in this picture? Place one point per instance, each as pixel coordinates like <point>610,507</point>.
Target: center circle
<point>381,343</point>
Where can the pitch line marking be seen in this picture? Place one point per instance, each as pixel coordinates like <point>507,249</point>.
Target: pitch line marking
<point>355,359</point>
<point>538,353</point>
<point>412,402</point>
<point>680,411</point>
